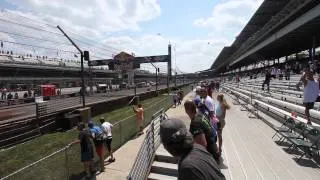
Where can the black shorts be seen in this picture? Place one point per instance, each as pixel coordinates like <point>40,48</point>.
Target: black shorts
<point>309,105</point>
<point>108,143</point>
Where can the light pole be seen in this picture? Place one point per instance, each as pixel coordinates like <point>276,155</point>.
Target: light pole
<point>82,69</point>
<point>157,70</point>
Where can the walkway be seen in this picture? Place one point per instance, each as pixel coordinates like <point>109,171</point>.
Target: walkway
<point>249,152</point>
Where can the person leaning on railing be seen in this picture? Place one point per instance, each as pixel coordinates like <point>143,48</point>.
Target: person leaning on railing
<point>195,162</point>
<point>86,148</point>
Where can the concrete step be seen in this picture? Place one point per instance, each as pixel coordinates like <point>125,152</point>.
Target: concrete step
<point>164,168</point>
<point>164,156</point>
<point>154,176</point>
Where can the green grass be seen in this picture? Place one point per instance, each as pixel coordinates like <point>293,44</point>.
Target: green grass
<point>55,167</point>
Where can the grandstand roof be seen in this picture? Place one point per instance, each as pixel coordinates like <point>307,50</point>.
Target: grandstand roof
<point>270,18</point>
<point>264,13</point>
<point>224,54</point>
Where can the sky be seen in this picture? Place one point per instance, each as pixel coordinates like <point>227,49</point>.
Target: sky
<point>197,29</point>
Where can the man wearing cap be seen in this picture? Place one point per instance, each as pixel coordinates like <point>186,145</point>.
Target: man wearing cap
<point>107,129</point>
<point>195,163</point>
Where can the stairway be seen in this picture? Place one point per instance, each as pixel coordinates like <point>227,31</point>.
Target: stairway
<point>164,166</point>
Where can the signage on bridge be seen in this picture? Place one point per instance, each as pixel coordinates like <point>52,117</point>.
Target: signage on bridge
<point>125,61</point>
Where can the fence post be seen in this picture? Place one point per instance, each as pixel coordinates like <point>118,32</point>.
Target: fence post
<point>67,167</point>
<point>38,118</point>
<point>120,129</point>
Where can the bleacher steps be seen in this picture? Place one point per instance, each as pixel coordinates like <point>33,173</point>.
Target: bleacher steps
<point>164,168</point>
<point>153,176</point>
<point>163,156</point>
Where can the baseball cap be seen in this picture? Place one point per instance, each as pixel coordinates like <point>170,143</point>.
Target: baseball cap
<point>198,88</point>
<point>174,131</point>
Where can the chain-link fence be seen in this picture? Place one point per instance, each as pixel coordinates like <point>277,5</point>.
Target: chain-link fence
<point>66,164</point>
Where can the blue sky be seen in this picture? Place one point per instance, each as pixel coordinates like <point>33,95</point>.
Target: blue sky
<point>135,25</point>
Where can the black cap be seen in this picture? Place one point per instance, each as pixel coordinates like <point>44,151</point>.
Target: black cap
<point>174,131</point>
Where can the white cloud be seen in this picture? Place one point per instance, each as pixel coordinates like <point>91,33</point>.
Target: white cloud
<point>229,17</point>
<point>95,16</point>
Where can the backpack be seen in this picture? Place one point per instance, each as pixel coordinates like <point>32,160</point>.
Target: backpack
<point>98,133</point>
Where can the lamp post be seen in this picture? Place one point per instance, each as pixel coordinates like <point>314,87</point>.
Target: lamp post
<point>157,70</point>
<point>82,69</point>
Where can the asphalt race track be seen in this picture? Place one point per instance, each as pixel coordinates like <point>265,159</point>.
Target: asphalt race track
<point>29,110</point>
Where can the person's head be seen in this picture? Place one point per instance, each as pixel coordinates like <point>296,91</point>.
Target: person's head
<point>190,108</point>
<point>203,92</point>
<point>81,126</point>
<point>309,75</point>
<point>198,90</point>
<point>175,137</point>
<point>139,105</point>
<point>102,120</point>
<point>220,97</point>
<point>90,124</point>
<point>223,101</point>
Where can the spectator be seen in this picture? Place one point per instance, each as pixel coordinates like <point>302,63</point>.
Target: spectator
<point>267,80</point>
<point>175,99</point>
<point>207,105</point>
<point>140,117</point>
<point>310,92</point>
<point>217,85</point>
<point>202,129</point>
<point>25,95</point>
<point>195,163</point>
<point>287,73</point>
<point>221,109</point>
<point>97,135</point>
<point>16,96</point>
<point>9,97</point>
<point>107,128</point>
<point>273,72</point>
<point>86,148</point>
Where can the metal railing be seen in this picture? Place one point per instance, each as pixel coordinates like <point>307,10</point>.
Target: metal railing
<point>65,163</point>
<point>147,150</point>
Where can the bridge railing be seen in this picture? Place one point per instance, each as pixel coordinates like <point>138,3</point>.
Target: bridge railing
<point>147,150</point>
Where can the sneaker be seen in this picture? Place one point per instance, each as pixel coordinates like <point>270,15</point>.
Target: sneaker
<point>112,160</point>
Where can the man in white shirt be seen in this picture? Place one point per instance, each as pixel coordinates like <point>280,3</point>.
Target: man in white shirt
<point>310,92</point>
<point>107,129</point>
<point>208,102</point>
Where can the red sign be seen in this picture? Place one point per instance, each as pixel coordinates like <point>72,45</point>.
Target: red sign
<point>123,56</point>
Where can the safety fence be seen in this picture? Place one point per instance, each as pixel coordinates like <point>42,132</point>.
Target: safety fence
<point>146,154</point>
<point>65,163</point>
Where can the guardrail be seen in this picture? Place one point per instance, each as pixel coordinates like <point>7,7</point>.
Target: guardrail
<point>144,159</point>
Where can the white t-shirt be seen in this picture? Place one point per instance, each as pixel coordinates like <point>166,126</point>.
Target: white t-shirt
<point>209,103</point>
<point>107,129</point>
<point>310,91</point>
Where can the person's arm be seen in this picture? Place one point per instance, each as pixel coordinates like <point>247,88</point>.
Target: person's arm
<point>74,142</point>
<point>134,109</point>
<point>303,79</point>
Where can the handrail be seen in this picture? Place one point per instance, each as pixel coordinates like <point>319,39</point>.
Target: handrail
<point>143,161</point>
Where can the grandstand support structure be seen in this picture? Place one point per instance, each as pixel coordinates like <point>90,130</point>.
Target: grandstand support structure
<point>82,69</point>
